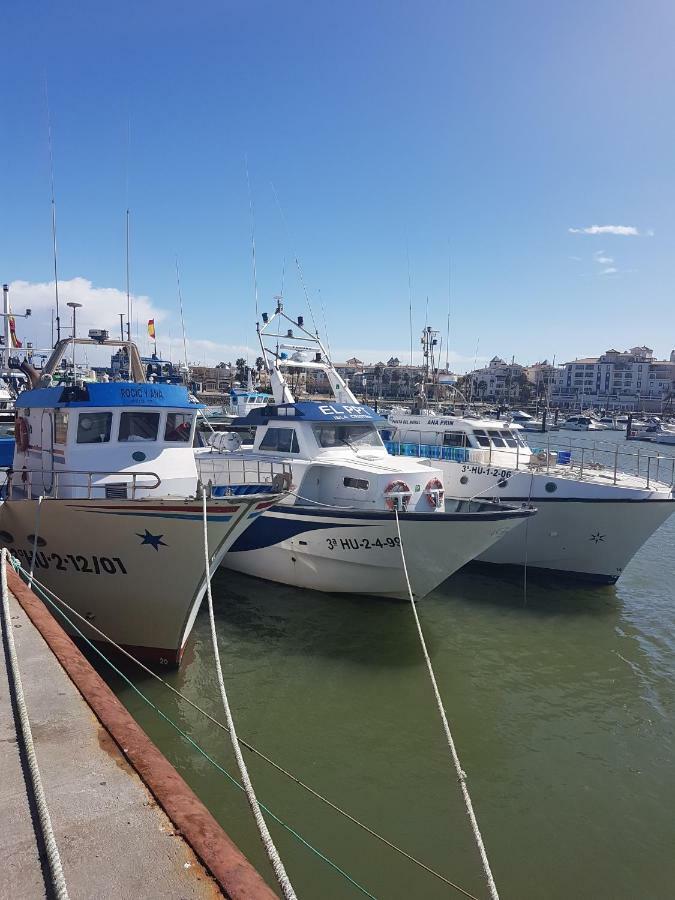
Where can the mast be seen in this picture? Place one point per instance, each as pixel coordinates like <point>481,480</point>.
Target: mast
<point>5,309</point>
<point>53,204</point>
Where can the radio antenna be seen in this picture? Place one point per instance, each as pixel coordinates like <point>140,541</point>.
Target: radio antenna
<point>182,321</point>
<point>252,217</point>
<point>51,177</point>
<point>447,331</point>
<point>407,254</point>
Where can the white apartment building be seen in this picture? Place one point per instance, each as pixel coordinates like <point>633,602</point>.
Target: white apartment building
<point>628,379</point>
<point>498,380</point>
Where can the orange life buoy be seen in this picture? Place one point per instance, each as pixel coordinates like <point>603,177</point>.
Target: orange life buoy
<point>397,493</point>
<point>435,493</point>
<point>21,433</point>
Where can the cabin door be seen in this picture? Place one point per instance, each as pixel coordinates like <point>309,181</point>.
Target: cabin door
<point>47,446</point>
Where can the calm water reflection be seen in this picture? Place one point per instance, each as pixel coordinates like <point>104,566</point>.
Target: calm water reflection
<point>562,704</point>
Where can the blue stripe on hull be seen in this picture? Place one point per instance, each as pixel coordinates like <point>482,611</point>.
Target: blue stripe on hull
<point>266,531</point>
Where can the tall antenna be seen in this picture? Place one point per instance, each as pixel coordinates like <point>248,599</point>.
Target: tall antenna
<point>297,261</point>
<point>447,332</point>
<point>128,283</point>
<point>182,320</point>
<point>51,176</point>
<point>128,217</point>
<point>252,216</point>
<point>407,254</point>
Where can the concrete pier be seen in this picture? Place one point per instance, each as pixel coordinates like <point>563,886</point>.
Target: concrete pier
<point>115,839</point>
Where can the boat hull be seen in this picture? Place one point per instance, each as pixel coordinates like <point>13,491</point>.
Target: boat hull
<point>587,539</point>
<point>359,552</point>
<point>134,569</point>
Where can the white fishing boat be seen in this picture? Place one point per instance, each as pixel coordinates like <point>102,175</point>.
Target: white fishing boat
<point>592,517</point>
<point>336,529</point>
<point>104,503</point>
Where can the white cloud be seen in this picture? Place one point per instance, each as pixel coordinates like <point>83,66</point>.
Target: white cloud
<point>603,260</point>
<point>626,230</point>
<point>101,308</point>
<point>575,258</point>
<point>609,271</point>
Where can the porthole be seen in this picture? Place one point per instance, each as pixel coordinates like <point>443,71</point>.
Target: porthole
<point>502,483</point>
<point>40,541</point>
<point>138,456</point>
<point>551,487</point>
<point>6,537</point>
<point>464,479</point>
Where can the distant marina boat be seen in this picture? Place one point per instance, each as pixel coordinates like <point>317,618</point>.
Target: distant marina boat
<point>581,423</point>
<point>592,518</point>
<point>104,502</point>
<point>656,433</point>
<point>336,529</point>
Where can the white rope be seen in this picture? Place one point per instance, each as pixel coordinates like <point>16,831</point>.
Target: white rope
<point>265,836</point>
<point>218,724</point>
<point>55,868</point>
<point>461,774</point>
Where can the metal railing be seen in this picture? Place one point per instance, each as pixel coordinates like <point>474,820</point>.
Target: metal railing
<point>233,473</point>
<point>57,484</point>
<point>579,461</point>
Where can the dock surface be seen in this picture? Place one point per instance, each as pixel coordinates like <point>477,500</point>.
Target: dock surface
<point>114,840</point>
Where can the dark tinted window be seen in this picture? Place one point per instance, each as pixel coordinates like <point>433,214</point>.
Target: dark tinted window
<point>93,428</point>
<point>284,440</point>
<point>178,427</point>
<point>139,426</point>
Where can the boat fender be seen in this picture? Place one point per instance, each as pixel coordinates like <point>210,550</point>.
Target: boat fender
<point>397,495</point>
<point>435,493</point>
<point>21,434</point>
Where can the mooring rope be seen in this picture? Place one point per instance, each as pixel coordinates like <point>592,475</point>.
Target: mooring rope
<point>47,593</point>
<point>461,774</point>
<point>55,867</point>
<point>44,593</point>
<point>265,836</point>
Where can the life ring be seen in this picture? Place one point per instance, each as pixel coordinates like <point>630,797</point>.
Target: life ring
<point>435,493</point>
<point>21,435</point>
<point>397,495</point>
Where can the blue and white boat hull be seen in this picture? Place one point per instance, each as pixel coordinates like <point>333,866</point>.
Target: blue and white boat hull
<point>359,552</point>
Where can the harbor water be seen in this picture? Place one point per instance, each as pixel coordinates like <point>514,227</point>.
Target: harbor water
<point>561,698</point>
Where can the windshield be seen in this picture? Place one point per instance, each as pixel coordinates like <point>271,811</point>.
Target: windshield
<point>339,435</point>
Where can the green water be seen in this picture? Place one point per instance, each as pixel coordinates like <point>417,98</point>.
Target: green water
<point>562,706</point>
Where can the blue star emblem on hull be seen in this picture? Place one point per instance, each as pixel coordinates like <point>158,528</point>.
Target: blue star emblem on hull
<point>597,537</point>
<point>154,540</point>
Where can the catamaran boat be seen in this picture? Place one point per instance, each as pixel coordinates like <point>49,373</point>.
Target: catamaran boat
<point>336,529</point>
<point>104,502</point>
<point>592,518</point>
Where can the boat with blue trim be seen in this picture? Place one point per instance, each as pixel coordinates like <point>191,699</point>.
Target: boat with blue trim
<point>336,528</point>
<point>104,503</point>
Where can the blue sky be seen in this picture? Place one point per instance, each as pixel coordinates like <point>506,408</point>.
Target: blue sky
<point>476,132</point>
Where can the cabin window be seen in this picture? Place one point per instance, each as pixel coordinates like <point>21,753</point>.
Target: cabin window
<point>178,427</point>
<point>482,438</point>
<point>497,440</point>
<point>93,428</point>
<point>510,438</point>
<point>359,483</point>
<point>138,426</point>
<point>61,426</point>
<point>284,440</point>
<point>337,435</point>
<point>454,439</point>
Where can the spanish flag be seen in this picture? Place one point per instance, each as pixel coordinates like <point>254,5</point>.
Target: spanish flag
<point>151,329</point>
<point>12,331</point>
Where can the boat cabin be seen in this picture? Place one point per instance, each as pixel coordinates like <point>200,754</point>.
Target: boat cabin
<point>108,440</point>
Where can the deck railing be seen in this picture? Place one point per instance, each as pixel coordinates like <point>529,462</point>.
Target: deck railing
<point>232,473</point>
<point>59,483</point>
<point>581,461</point>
